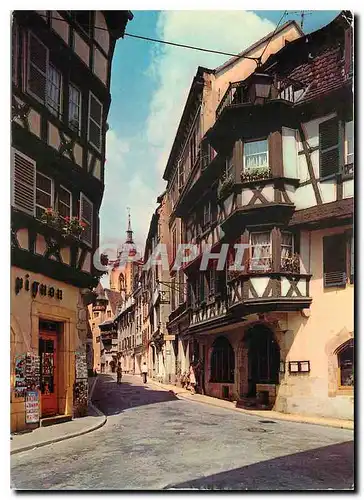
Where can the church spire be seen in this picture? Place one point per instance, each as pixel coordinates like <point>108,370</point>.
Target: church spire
<point>129,232</point>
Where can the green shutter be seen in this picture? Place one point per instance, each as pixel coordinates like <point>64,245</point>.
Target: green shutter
<point>329,147</point>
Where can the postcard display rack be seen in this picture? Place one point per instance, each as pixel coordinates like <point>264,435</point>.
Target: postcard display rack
<point>27,384</point>
<point>80,390</point>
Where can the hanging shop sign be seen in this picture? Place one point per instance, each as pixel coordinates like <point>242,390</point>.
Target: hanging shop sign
<point>35,288</point>
<point>32,407</point>
<point>20,382</point>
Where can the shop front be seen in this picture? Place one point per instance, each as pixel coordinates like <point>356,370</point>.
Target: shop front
<point>48,351</point>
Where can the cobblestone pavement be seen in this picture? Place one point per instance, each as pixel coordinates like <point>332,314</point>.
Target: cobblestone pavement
<point>152,440</point>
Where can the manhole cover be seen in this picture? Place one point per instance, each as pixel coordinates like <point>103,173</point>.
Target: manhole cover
<point>256,429</point>
<point>266,422</point>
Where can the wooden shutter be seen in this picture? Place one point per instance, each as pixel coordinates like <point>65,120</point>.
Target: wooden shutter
<point>23,182</point>
<point>94,122</point>
<point>37,68</point>
<point>329,147</point>
<point>334,253</point>
<point>86,216</point>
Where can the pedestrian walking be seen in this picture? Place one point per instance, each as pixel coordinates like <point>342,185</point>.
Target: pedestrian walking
<point>119,373</point>
<point>192,380</point>
<point>144,372</point>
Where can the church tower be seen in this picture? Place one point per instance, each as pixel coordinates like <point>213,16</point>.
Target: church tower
<point>121,276</point>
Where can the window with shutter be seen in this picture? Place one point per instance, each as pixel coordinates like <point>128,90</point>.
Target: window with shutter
<point>74,108</point>
<point>329,147</point>
<point>23,182</point>
<point>64,202</point>
<point>37,68</point>
<point>95,122</point>
<point>334,255</point>
<point>54,86</point>
<point>44,194</point>
<point>86,216</point>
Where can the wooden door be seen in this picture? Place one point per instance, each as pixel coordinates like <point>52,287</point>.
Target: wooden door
<point>48,373</point>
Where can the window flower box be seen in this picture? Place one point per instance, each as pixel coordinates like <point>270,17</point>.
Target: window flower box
<point>225,187</point>
<point>255,174</point>
<point>291,264</point>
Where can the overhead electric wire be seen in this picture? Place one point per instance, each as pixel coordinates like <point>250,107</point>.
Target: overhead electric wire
<point>156,40</point>
<point>274,32</point>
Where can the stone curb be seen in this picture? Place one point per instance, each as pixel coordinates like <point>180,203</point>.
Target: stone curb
<point>187,396</point>
<point>66,436</point>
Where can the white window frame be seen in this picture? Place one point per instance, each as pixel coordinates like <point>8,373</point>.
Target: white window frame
<point>49,82</point>
<point>36,189</point>
<point>31,34</point>
<point>248,169</point>
<point>89,118</point>
<point>70,193</point>
<point>78,131</point>
<point>229,165</point>
<point>347,160</point>
<point>258,245</point>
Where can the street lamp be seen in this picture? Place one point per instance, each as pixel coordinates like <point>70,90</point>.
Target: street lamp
<point>260,87</point>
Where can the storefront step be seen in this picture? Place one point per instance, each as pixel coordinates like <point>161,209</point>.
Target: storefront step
<point>58,419</point>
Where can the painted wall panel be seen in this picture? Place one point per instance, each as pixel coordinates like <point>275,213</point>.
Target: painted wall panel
<point>77,151</point>
<point>53,136</point>
<point>81,48</point>
<point>328,191</point>
<point>348,188</point>
<point>40,245</point>
<point>60,26</point>
<point>305,197</point>
<point>290,159</point>
<point>23,238</point>
<point>34,122</point>
<point>303,168</point>
<point>268,192</point>
<point>100,66</point>
<point>260,284</point>
<point>102,36</point>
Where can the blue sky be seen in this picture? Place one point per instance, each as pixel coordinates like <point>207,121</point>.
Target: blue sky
<point>149,86</point>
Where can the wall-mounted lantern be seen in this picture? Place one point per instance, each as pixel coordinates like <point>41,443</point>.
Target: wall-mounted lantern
<point>259,87</point>
<point>282,367</point>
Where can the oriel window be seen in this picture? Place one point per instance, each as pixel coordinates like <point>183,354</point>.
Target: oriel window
<point>256,155</point>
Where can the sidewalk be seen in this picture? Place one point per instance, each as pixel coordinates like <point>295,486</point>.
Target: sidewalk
<point>59,432</point>
<point>266,414</point>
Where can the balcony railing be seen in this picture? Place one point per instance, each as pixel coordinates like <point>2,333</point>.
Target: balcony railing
<point>233,96</point>
<point>269,291</point>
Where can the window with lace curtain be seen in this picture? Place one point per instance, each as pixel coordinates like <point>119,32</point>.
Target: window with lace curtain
<point>260,251</point>
<point>286,247</point>
<point>256,155</point>
<point>54,83</point>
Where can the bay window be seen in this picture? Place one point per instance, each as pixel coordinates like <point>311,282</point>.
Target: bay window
<point>260,251</point>
<point>256,155</point>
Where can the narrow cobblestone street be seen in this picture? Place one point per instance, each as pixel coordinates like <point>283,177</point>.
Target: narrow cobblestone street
<point>152,440</point>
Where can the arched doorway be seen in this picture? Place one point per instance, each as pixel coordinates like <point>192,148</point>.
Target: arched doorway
<point>263,357</point>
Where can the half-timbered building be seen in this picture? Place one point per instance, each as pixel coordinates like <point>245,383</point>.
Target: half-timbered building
<point>61,67</point>
<point>274,172</point>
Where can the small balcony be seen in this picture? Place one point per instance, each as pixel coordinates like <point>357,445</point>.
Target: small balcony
<point>268,291</point>
<point>248,103</point>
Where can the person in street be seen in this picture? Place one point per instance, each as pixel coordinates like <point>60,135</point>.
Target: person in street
<point>119,373</point>
<point>144,372</point>
<point>192,380</point>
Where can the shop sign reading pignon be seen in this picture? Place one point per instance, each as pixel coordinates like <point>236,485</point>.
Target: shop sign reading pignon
<point>35,287</point>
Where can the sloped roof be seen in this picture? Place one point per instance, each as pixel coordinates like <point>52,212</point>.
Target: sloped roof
<point>114,299</point>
